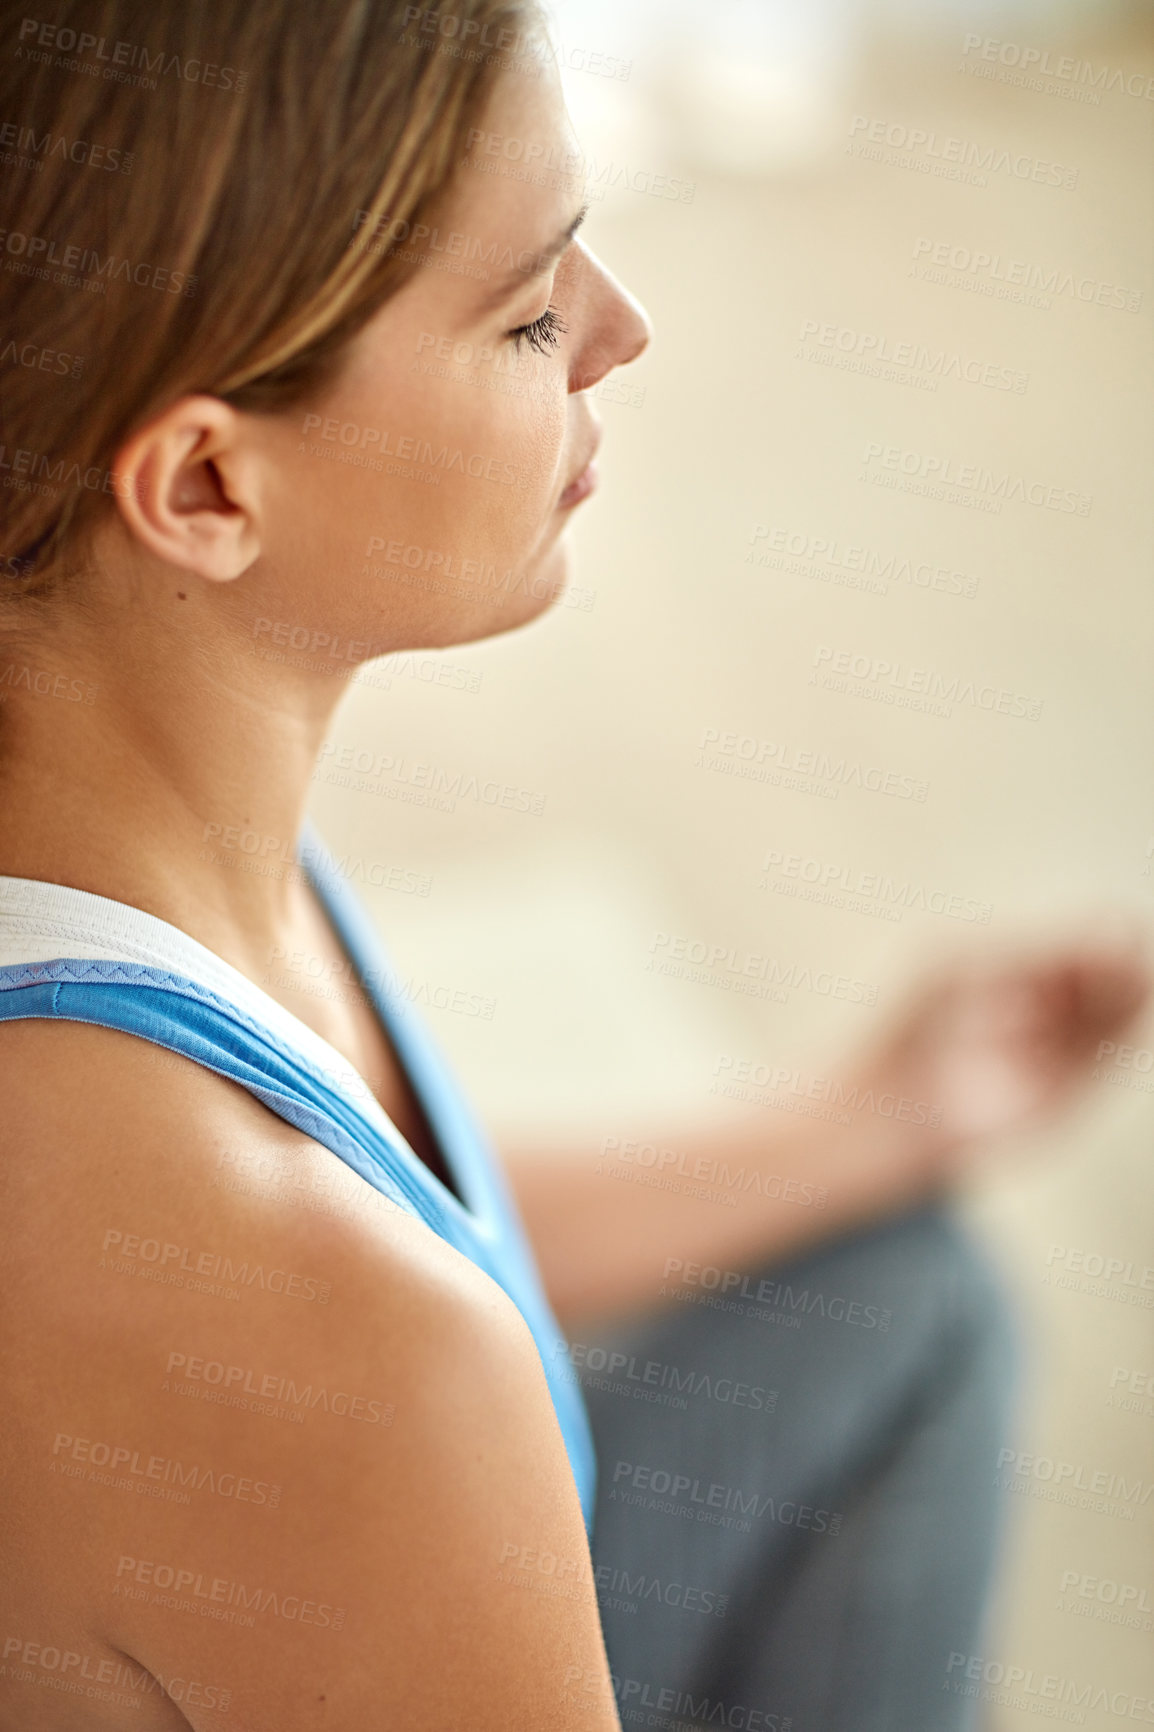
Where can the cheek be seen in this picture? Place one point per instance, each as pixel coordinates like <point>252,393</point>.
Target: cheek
<point>408,479</point>
<point>462,452</point>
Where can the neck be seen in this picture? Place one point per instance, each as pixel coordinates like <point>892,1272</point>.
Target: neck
<point>150,756</point>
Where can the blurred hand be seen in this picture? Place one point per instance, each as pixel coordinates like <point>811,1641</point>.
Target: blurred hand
<point>992,1046</point>
<point>1001,1046</point>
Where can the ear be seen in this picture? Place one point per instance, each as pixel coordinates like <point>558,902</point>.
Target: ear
<point>185,486</point>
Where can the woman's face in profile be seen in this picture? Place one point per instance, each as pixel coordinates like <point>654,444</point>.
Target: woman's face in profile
<point>422,500</point>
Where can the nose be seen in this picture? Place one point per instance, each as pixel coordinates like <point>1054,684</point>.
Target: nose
<point>618,327</point>
<point>637,327</point>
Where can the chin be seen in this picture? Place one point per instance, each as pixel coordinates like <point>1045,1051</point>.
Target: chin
<point>548,575</point>
<point>536,588</point>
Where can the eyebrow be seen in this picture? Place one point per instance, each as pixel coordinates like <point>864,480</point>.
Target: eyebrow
<point>542,260</point>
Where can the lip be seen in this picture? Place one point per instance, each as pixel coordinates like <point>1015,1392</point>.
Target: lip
<point>582,484</point>
<point>580,488</point>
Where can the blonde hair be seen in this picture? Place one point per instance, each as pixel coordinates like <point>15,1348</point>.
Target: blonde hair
<point>194,185</point>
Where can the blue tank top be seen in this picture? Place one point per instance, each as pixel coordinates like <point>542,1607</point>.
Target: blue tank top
<point>82,958</point>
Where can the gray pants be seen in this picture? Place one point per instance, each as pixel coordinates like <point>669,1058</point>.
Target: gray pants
<point>796,1519</point>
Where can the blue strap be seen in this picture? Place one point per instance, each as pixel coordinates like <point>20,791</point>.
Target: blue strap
<point>185,1017</point>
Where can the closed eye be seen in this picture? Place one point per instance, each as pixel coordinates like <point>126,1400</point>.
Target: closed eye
<point>542,334</point>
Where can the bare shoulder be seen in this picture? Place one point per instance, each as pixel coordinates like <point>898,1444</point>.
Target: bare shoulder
<point>140,1190</point>
<point>297,1431</point>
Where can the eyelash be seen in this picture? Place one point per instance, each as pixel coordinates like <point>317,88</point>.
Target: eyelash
<point>542,335</point>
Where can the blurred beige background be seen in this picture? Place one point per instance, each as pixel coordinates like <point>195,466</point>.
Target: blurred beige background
<point>542,924</point>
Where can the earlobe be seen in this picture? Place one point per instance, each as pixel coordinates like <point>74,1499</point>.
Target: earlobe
<point>180,488</point>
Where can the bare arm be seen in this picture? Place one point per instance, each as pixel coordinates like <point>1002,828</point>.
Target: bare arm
<point>982,1052</point>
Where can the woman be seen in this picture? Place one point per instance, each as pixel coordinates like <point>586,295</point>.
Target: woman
<point>290,1436</point>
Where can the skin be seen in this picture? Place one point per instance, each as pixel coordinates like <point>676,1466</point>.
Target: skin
<point>224,519</point>
<point>989,1047</point>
